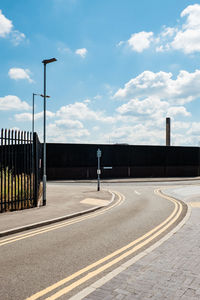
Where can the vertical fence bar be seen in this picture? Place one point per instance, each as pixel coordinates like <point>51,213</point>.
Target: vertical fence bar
<point>24,169</point>
<point>21,168</point>
<point>5,163</point>
<point>30,166</point>
<point>15,172</point>
<point>18,168</point>
<point>8,169</point>
<point>35,168</point>
<point>12,170</point>
<point>27,170</point>
<point>1,207</point>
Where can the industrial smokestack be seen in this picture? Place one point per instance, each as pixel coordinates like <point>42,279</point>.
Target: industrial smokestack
<point>168,132</point>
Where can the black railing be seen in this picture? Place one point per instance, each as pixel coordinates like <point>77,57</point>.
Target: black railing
<point>20,170</point>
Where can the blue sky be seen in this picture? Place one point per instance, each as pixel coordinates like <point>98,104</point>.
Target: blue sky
<point>122,68</point>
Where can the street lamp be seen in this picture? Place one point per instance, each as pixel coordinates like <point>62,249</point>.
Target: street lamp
<point>45,62</point>
<point>33,110</point>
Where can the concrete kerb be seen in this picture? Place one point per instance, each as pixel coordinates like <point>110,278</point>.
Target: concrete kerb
<point>52,221</point>
<point>129,180</point>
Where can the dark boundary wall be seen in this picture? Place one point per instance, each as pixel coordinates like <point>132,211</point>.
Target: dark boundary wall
<point>79,161</point>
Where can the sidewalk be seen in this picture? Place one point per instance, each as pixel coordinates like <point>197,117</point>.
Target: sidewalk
<point>132,179</point>
<point>63,202</point>
<point>170,271</point>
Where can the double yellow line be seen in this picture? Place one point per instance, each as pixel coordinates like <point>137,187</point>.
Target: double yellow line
<point>110,260</point>
<point>60,225</point>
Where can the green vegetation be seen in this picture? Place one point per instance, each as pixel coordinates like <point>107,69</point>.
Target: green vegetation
<point>16,190</point>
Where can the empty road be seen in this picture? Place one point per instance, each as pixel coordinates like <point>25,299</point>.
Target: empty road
<point>58,261</point>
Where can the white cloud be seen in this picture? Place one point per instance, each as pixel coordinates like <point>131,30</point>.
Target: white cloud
<point>72,124</point>
<point>82,52</point>
<point>19,73</point>
<point>147,106</point>
<point>183,89</point>
<point>17,37</point>
<point>81,111</point>
<point>194,129</point>
<point>138,134</point>
<point>5,25</point>
<point>140,41</point>
<point>186,38</point>
<point>168,31</point>
<point>6,30</point>
<point>65,134</point>
<point>178,110</point>
<point>12,102</point>
<point>28,116</point>
<point>192,12</point>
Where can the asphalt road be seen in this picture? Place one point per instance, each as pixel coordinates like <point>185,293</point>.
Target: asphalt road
<point>37,262</point>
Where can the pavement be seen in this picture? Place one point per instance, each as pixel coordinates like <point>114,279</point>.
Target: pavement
<point>169,269</point>
<point>135,180</point>
<point>63,202</point>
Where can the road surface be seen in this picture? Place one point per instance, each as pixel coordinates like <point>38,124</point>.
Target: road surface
<point>58,262</point>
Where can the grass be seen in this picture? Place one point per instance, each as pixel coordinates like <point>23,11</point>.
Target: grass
<point>17,189</point>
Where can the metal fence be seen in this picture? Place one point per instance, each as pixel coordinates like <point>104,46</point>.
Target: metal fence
<point>20,170</point>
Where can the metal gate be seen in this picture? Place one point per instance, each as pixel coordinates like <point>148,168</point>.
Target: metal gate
<point>20,170</point>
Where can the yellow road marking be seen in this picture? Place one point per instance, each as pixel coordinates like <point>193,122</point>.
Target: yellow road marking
<point>164,225</point>
<point>57,226</point>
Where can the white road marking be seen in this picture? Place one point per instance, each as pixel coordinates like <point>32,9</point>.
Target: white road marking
<point>93,201</point>
<point>138,193</point>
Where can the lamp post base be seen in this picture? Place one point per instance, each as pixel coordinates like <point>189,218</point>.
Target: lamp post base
<point>44,190</point>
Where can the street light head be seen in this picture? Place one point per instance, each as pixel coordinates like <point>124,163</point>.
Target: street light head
<point>47,61</point>
<point>45,96</point>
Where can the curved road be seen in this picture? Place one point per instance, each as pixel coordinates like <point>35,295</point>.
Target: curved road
<point>86,248</point>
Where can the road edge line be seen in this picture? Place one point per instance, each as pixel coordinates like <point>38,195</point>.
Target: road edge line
<point>54,220</point>
<point>90,289</point>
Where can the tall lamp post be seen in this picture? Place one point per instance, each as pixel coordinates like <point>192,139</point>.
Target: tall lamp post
<point>45,62</point>
<point>33,110</point>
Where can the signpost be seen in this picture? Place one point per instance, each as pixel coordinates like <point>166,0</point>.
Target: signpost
<point>98,169</point>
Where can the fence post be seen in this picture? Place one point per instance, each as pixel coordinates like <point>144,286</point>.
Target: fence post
<point>35,171</point>
<point>1,210</point>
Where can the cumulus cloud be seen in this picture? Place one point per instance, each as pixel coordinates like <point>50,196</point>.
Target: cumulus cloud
<point>81,52</point>
<point>19,73</point>
<point>23,117</point>
<point>138,42</point>
<point>68,133</point>
<point>11,102</point>
<point>5,25</point>
<point>81,111</point>
<point>7,30</point>
<point>184,36</point>
<point>147,106</point>
<point>72,124</point>
<point>178,110</point>
<point>184,88</point>
<point>137,134</point>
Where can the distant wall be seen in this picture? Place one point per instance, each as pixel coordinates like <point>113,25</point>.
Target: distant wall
<point>79,161</point>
